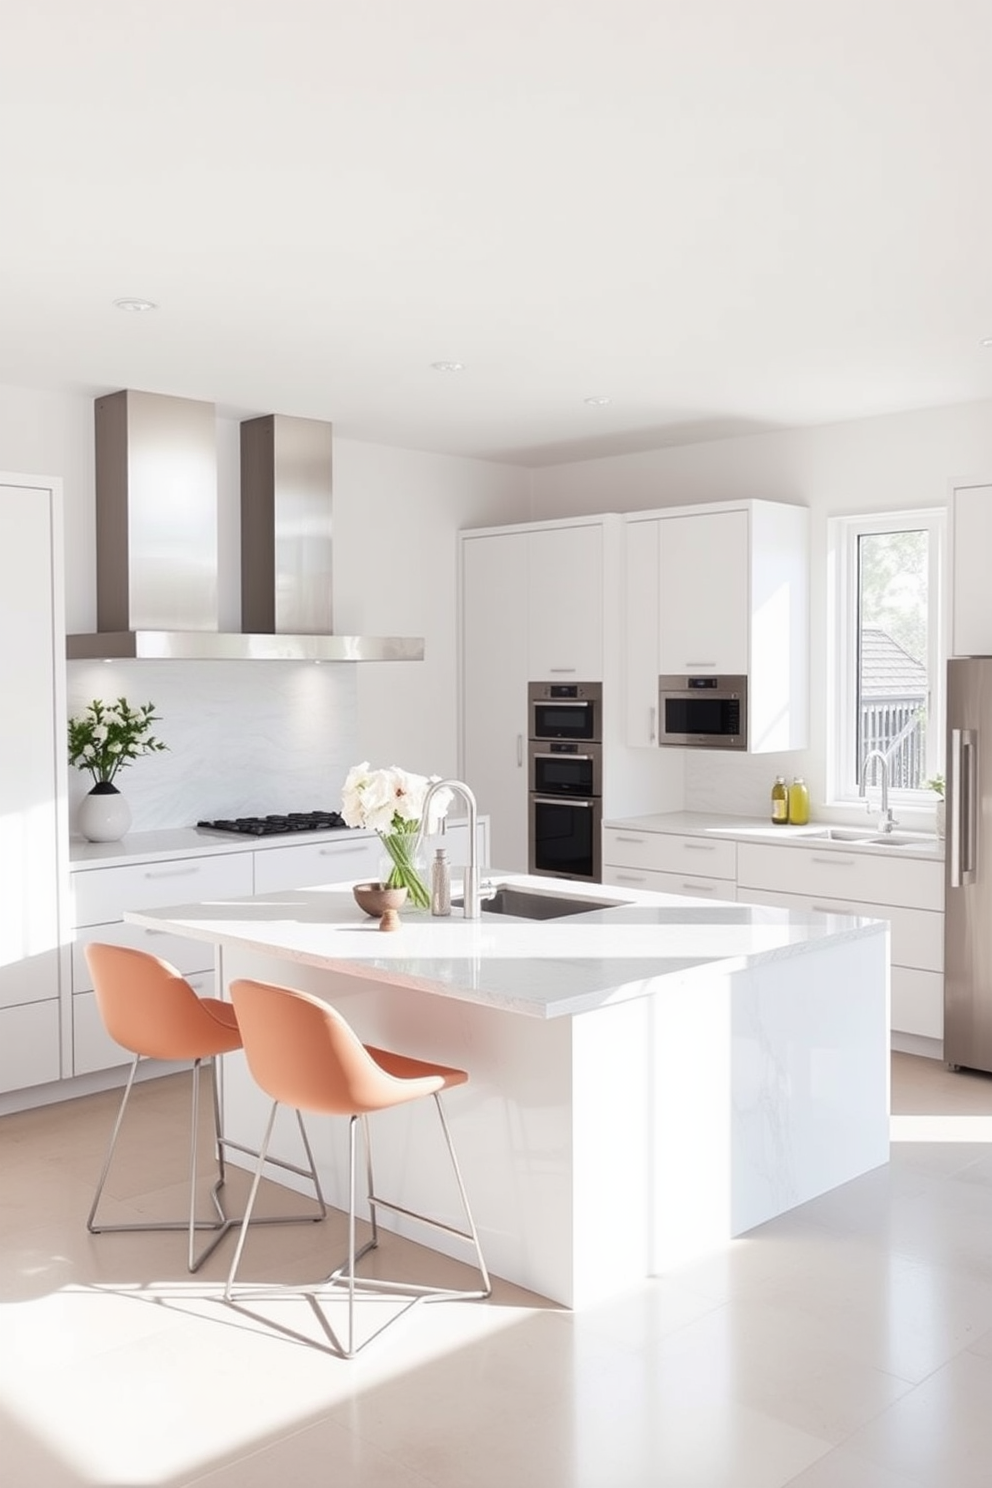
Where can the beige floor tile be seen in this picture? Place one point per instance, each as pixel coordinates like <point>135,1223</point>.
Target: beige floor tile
<point>941,1433</point>
<point>846,1345</point>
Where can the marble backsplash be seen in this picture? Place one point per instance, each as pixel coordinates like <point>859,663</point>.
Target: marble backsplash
<point>245,738</point>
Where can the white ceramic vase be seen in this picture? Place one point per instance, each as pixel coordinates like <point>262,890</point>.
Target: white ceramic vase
<point>104,815</point>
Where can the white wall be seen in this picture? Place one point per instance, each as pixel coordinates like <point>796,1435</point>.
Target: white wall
<point>396,514</point>
<point>903,460</point>
<point>279,736</point>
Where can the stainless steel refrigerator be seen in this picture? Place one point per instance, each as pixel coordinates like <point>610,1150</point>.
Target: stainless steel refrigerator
<point>968,865</point>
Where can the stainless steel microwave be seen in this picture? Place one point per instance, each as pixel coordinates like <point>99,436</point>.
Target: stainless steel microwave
<point>704,712</point>
<point>565,710</point>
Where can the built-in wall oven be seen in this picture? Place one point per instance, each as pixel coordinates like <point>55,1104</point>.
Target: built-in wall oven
<point>565,769</point>
<point>565,710</point>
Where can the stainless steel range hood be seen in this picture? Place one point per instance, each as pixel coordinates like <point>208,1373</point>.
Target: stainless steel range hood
<point>156,540</point>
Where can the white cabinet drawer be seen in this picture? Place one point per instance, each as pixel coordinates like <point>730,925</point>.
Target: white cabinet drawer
<point>187,956</point>
<point>34,979</point>
<point>917,1002</point>
<point>316,863</point>
<point>666,852</point>
<point>859,878</point>
<point>101,895</point>
<point>917,935</point>
<point>29,1045</point>
<point>92,1046</point>
<point>669,883</point>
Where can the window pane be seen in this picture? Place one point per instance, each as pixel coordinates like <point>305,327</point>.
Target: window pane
<point>893,684</point>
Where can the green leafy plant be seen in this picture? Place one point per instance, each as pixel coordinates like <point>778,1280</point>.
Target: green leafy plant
<point>108,736</point>
<point>936,783</point>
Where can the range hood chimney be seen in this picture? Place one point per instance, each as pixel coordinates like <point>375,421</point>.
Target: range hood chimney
<point>156,540</point>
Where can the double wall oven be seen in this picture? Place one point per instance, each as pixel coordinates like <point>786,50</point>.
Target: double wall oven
<point>565,778</point>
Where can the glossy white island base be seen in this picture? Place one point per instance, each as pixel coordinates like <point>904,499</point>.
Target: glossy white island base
<point>646,1082</point>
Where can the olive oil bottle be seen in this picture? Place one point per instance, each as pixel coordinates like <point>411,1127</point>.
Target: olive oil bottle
<point>798,802</point>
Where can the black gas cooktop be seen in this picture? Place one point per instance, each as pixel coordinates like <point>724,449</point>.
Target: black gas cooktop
<point>272,826</point>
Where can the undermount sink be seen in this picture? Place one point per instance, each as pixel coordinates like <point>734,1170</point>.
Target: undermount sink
<point>539,904</point>
<point>869,838</point>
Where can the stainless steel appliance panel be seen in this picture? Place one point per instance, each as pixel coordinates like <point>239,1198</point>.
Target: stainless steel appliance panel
<point>704,712</point>
<point>565,710</point>
<point>968,865</point>
<point>565,838</point>
<point>565,767</point>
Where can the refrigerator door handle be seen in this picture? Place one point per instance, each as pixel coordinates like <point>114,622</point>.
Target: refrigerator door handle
<point>962,807</point>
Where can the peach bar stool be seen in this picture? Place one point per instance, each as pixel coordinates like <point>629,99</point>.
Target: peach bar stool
<point>302,1053</point>
<point>151,1009</point>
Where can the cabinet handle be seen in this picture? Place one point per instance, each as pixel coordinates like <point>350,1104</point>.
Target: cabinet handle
<point>358,847</point>
<point>698,888</point>
<point>838,907</point>
<point>836,861</point>
<point>520,750</point>
<point>561,669</point>
<point>171,872</point>
<point>652,724</point>
<point>562,756</point>
<point>694,666</point>
<point>629,877</point>
<point>638,841</point>
<point>699,846</point>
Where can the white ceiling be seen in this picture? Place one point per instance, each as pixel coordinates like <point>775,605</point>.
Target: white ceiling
<point>723,214</point>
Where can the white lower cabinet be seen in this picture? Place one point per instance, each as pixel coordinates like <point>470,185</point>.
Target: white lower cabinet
<point>101,895</point>
<point>306,863</point>
<point>908,892</point>
<point>669,863</point>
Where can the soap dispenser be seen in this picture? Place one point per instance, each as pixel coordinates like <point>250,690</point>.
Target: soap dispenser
<point>440,884</point>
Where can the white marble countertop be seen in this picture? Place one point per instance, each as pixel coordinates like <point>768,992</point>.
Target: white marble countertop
<point>925,845</point>
<point>544,969</point>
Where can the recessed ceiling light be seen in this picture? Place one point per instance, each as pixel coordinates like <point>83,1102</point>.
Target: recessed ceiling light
<point>136,305</point>
<point>598,402</point>
<point>986,341</point>
<point>448,366</point>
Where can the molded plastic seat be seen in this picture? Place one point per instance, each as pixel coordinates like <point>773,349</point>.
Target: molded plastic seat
<point>304,1054</point>
<point>149,1008</point>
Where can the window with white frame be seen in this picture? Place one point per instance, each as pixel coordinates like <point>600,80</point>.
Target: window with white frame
<point>888,660</point>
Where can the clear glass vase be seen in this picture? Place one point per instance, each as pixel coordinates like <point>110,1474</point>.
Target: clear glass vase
<point>403,865</point>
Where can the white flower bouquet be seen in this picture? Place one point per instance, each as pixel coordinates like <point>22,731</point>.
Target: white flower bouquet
<point>391,802</point>
<point>109,736</point>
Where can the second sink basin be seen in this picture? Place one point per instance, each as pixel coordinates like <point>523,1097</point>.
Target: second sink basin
<point>539,904</point>
<point>868,837</point>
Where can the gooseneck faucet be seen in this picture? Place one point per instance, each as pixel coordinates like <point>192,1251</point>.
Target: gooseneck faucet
<point>886,820</point>
<point>472,895</point>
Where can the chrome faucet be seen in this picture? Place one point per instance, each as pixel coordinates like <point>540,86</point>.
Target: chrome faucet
<point>472,895</point>
<point>886,820</point>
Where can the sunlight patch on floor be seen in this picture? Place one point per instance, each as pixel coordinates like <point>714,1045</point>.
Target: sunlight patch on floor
<point>930,1128</point>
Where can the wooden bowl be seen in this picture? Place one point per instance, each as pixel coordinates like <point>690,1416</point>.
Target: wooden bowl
<point>375,899</point>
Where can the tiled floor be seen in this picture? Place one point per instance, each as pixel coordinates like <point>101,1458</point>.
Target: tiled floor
<point>846,1345</point>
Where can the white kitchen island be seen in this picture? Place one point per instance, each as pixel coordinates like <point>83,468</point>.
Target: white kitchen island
<point>647,1080</point>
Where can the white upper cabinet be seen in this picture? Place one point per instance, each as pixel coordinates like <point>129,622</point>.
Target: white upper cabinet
<point>704,594</point>
<point>642,602</point>
<point>971,597</point>
<point>565,591</point>
<point>720,589</point>
<point>494,687</point>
